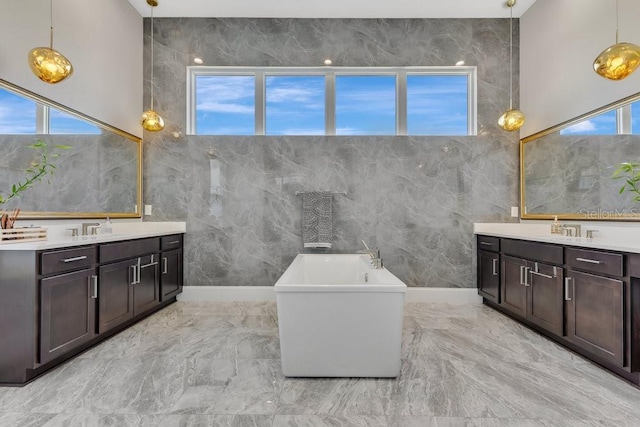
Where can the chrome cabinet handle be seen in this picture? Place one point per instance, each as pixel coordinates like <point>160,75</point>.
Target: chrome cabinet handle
<point>77,258</point>
<point>527,270</point>
<point>482,243</point>
<point>566,288</point>
<point>150,264</point>
<point>590,261</point>
<point>165,265</point>
<point>494,266</point>
<point>173,242</point>
<point>541,274</point>
<point>94,282</point>
<point>522,274</point>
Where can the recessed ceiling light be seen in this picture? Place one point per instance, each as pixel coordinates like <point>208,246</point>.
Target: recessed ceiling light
<point>459,63</point>
<point>328,61</point>
<point>198,61</point>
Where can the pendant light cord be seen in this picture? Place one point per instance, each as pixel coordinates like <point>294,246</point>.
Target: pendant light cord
<point>511,57</point>
<point>51,24</point>
<point>152,57</point>
<point>617,21</point>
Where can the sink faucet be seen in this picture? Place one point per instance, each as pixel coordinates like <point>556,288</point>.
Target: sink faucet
<point>376,259</point>
<point>87,225</point>
<point>570,227</point>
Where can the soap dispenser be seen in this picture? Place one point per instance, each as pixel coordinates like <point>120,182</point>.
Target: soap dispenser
<point>107,228</point>
<point>556,227</point>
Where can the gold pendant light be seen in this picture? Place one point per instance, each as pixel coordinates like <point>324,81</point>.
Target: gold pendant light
<point>150,119</point>
<point>618,61</point>
<point>48,64</point>
<point>512,119</point>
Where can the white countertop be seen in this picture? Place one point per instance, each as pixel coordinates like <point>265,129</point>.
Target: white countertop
<point>610,237</point>
<point>59,237</point>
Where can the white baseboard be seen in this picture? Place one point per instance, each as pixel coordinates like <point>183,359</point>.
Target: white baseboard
<point>266,293</point>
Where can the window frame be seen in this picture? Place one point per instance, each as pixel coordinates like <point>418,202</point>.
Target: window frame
<point>330,73</point>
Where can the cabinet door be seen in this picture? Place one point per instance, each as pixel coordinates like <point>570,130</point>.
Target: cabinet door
<point>145,292</point>
<point>595,315</point>
<point>171,276</point>
<point>513,292</point>
<point>489,275</point>
<point>545,305</point>
<point>67,312</point>
<point>115,293</point>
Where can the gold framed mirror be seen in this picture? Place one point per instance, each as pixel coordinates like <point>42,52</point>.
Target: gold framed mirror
<point>99,175</point>
<point>566,170</point>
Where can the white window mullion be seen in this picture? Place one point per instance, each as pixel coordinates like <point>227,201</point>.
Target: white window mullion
<point>42,119</point>
<point>623,120</point>
<point>330,103</point>
<point>472,96</point>
<point>260,103</point>
<point>401,103</point>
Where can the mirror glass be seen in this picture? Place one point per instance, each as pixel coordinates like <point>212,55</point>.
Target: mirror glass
<point>97,175</point>
<point>567,170</point>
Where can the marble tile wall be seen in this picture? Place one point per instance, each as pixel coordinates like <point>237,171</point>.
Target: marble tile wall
<point>97,173</point>
<point>414,197</point>
<point>572,174</point>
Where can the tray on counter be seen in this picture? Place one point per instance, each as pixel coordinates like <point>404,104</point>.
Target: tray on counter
<point>22,235</point>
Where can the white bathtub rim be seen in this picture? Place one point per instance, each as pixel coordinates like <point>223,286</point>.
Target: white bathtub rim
<point>267,293</point>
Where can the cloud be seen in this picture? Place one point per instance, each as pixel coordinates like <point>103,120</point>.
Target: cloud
<point>585,126</point>
<point>222,107</point>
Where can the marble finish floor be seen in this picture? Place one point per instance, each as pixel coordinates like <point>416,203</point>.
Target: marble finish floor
<point>217,364</point>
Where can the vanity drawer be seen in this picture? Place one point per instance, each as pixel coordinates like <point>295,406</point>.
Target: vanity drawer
<point>533,251</point>
<point>128,249</point>
<point>171,242</point>
<point>595,261</point>
<point>487,243</point>
<point>62,260</point>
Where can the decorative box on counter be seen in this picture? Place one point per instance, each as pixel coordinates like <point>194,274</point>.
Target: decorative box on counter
<point>22,235</point>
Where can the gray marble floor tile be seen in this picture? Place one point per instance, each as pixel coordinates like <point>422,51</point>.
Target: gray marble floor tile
<point>498,422</point>
<point>332,396</point>
<point>217,364</point>
<point>433,386</point>
<point>128,420</point>
<point>217,386</point>
<point>330,421</point>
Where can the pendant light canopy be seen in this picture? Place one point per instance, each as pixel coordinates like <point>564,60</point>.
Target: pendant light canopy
<point>512,119</point>
<point>150,119</point>
<point>618,61</point>
<point>48,64</point>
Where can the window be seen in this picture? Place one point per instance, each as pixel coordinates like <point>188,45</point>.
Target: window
<point>63,123</point>
<point>295,105</point>
<point>331,101</point>
<point>20,115</point>
<point>225,105</point>
<point>437,105</point>
<point>602,124</point>
<point>365,105</point>
<point>635,118</point>
<point>17,114</point>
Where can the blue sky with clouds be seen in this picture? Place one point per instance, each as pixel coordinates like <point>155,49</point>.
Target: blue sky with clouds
<point>365,105</point>
<point>18,117</point>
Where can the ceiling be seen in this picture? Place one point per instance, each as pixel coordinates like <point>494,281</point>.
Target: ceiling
<point>332,8</point>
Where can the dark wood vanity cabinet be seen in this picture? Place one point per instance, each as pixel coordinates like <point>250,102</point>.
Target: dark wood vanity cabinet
<point>56,303</point>
<point>531,288</point>
<point>489,268</point>
<point>170,266</point>
<point>67,312</point>
<point>587,299</point>
<point>128,287</point>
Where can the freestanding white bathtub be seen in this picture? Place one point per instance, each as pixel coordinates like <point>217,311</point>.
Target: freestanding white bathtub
<point>339,317</point>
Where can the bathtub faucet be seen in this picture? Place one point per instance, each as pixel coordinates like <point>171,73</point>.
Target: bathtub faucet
<point>376,259</point>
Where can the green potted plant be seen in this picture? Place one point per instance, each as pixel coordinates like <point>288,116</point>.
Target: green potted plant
<point>630,172</point>
<point>40,168</point>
